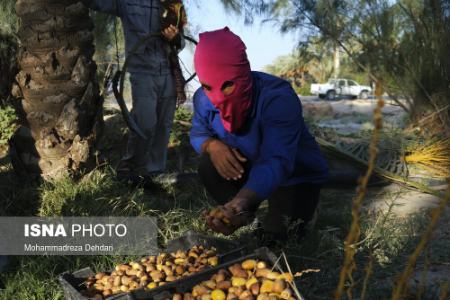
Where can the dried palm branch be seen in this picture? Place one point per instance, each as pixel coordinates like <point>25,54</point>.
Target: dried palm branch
<point>393,169</point>
<point>433,155</point>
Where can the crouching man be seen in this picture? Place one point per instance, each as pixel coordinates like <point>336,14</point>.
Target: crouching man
<point>254,144</point>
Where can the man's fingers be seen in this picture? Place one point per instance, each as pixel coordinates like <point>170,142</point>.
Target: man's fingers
<point>170,32</point>
<point>231,170</point>
<point>233,165</point>
<point>219,226</point>
<point>229,214</point>
<point>233,217</point>
<point>174,29</point>
<point>223,171</point>
<point>238,155</point>
<point>214,224</point>
<point>236,216</point>
<point>237,167</point>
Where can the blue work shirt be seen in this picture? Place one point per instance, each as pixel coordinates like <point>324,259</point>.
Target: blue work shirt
<point>274,139</point>
<point>139,18</point>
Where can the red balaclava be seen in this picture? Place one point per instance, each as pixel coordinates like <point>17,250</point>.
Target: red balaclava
<point>219,57</point>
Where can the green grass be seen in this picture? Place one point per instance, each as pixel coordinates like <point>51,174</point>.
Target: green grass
<point>385,237</point>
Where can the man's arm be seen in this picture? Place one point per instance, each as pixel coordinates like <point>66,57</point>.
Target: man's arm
<point>112,7</point>
<point>280,136</point>
<point>281,132</point>
<point>227,161</point>
<point>200,132</point>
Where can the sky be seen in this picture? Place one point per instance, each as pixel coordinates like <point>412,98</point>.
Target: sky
<point>264,41</point>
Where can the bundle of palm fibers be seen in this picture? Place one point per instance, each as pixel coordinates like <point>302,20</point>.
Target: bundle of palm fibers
<point>432,155</point>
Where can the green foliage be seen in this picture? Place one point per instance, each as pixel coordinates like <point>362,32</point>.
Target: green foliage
<point>95,195</point>
<point>8,44</point>
<point>283,64</point>
<point>291,68</point>
<point>402,44</point>
<point>8,120</point>
<point>179,134</point>
<point>8,64</point>
<point>304,90</point>
<point>8,18</point>
<point>311,63</point>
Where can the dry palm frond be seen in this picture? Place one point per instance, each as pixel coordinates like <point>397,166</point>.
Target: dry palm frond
<point>300,274</point>
<point>433,156</point>
<point>385,173</point>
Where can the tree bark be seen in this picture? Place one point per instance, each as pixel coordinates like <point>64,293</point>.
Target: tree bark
<point>336,61</point>
<point>8,66</point>
<point>60,106</point>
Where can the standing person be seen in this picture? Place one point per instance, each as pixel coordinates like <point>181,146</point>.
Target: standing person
<point>254,144</point>
<point>152,84</point>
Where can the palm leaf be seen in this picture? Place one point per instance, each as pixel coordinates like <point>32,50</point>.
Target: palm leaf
<point>390,165</point>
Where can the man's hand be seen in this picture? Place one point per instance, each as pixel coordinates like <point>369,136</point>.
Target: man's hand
<point>226,160</point>
<point>216,221</point>
<point>238,212</point>
<point>170,32</point>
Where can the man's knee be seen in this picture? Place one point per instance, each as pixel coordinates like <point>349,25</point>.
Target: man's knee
<point>206,168</point>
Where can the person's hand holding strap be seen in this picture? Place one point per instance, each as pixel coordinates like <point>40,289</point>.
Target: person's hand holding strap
<point>170,32</point>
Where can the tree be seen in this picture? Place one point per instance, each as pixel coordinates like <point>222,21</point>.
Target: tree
<point>61,111</point>
<point>8,48</point>
<point>402,44</point>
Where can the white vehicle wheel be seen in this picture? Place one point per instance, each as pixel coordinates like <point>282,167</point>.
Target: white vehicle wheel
<point>364,95</point>
<point>331,95</point>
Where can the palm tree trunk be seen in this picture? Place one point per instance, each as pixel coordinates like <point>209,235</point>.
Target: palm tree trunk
<point>8,47</point>
<point>60,104</point>
<point>336,61</point>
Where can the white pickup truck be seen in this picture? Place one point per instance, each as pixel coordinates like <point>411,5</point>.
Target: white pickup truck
<point>343,87</point>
